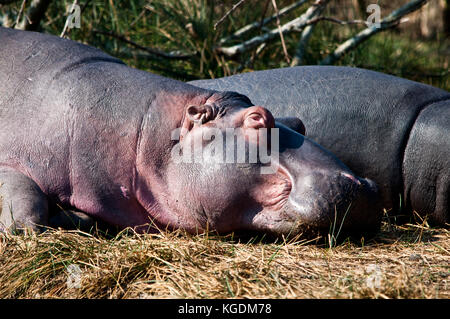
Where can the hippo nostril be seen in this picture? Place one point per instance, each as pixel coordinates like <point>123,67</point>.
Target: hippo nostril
<point>352,178</point>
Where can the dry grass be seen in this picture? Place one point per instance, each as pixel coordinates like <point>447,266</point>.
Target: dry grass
<point>409,261</point>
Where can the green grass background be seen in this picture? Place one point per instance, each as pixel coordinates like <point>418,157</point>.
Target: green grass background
<point>188,26</point>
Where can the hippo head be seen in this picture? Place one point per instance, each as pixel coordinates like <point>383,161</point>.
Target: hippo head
<point>234,167</point>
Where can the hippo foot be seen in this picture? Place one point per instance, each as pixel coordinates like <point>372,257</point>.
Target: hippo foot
<point>23,205</point>
<point>25,208</point>
<point>69,219</point>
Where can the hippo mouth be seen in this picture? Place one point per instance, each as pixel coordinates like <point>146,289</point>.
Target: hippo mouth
<point>350,204</point>
<point>276,190</point>
<point>313,190</point>
<point>346,198</point>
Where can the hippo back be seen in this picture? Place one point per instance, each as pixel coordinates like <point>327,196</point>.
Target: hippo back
<point>362,116</point>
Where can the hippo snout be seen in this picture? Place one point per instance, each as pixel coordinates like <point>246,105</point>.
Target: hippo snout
<point>340,200</point>
<point>366,210</point>
<point>325,194</point>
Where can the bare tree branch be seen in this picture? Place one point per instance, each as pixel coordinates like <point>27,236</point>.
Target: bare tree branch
<point>19,15</point>
<point>155,52</point>
<point>66,25</point>
<point>334,20</point>
<point>33,16</point>
<point>303,43</point>
<point>263,15</point>
<point>157,64</point>
<point>250,61</point>
<point>259,24</point>
<point>143,12</point>
<point>228,13</point>
<point>297,23</point>
<point>286,55</point>
<point>389,22</point>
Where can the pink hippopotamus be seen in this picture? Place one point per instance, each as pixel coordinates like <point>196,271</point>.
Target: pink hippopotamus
<point>81,131</point>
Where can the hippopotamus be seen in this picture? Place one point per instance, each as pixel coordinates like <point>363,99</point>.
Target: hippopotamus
<point>82,132</point>
<point>389,129</point>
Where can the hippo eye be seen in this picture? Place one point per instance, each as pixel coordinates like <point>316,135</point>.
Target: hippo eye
<point>255,120</point>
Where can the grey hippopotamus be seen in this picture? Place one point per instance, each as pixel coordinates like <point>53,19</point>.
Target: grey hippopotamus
<point>391,130</point>
<point>80,130</point>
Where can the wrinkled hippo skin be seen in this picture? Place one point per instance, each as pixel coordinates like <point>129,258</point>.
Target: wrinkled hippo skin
<point>391,130</point>
<point>82,131</point>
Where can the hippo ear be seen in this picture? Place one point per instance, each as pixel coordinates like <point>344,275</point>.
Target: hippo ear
<point>199,114</point>
<point>196,115</point>
<point>294,123</point>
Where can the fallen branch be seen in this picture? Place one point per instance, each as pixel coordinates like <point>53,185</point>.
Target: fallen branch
<point>249,63</point>
<point>303,42</point>
<point>283,44</point>
<point>228,13</point>
<point>143,12</point>
<point>259,24</point>
<point>153,51</point>
<point>390,21</point>
<point>155,64</point>
<point>35,13</point>
<point>66,25</point>
<point>334,20</point>
<point>263,15</point>
<point>299,22</point>
<point>19,15</point>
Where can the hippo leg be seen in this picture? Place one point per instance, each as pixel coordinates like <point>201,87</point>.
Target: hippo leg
<point>68,219</point>
<point>72,220</point>
<point>23,204</point>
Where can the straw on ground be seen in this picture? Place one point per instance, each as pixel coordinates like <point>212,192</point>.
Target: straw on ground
<point>410,261</point>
